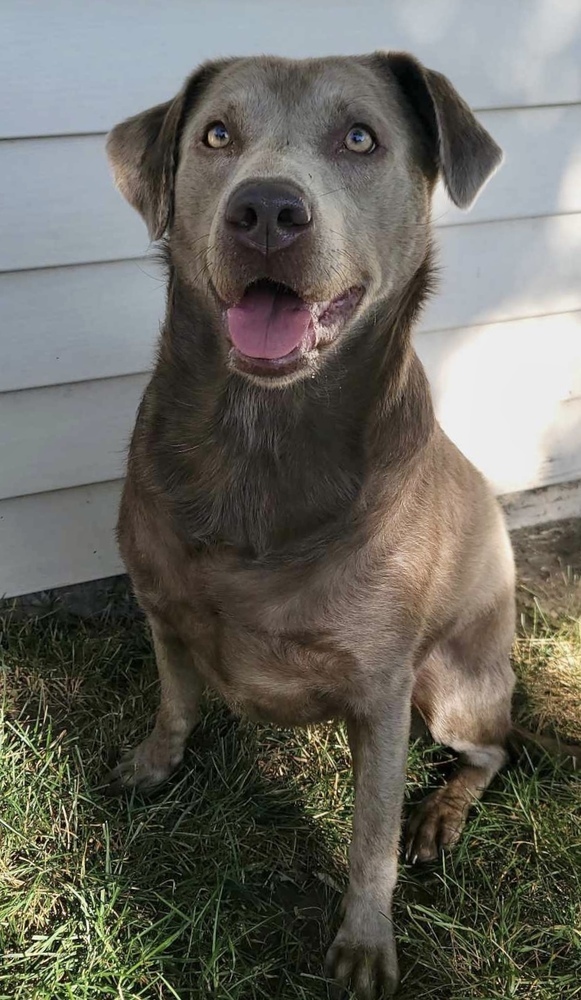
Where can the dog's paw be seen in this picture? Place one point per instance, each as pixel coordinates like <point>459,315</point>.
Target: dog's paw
<point>435,826</point>
<point>363,957</point>
<point>145,768</point>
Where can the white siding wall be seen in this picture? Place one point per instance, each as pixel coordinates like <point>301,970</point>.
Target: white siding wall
<point>80,302</point>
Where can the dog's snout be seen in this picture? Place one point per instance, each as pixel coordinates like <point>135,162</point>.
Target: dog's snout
<point>268,215</point>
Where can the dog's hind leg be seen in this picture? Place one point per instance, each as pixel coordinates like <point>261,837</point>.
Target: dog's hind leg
<point>463,691</point>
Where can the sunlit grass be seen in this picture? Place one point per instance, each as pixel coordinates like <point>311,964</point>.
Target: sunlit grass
<point>549,661</point>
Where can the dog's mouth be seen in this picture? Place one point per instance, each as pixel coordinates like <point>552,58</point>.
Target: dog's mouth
<point>272,329</point>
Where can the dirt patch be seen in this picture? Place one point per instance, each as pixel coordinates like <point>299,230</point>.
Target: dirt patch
<point>548,559</point>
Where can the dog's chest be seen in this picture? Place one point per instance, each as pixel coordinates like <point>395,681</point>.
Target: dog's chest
<point>279,678</point>
<point>273,652</point>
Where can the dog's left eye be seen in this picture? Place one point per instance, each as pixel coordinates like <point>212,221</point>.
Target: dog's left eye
<point>217,136</point>
<point>359,139</point>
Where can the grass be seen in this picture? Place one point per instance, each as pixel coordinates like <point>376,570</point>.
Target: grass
<point>227,884</point>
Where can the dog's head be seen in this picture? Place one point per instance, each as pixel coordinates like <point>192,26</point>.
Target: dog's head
<point>296,194</point>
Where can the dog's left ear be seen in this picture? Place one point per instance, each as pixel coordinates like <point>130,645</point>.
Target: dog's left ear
<point>143,151</point>
<point>462,149</point>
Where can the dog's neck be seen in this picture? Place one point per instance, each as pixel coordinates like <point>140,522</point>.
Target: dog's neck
<point>268,470</point>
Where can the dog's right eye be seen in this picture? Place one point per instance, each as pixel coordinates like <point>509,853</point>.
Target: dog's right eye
<point>217,136</point>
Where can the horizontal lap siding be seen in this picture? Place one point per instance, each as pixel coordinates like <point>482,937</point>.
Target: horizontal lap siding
<point>511,398</point>
<point>69,324</point>
<point>66,435</point>
<point>494,271</point>
<point>81,304</point>
<point>52,539</point>
<point>521,359</point>
<point>68,67</point>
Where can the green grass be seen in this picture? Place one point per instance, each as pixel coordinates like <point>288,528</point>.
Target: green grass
<point>227,884</point>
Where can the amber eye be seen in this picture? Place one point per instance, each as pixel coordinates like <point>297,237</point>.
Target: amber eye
<point>217,136</point>
<point>359,140</point>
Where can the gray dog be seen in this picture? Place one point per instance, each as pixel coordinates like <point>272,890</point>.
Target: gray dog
<point>303,537</point>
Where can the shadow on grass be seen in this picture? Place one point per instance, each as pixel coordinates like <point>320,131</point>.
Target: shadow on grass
<point>217,886</point>
<point>226,884</point>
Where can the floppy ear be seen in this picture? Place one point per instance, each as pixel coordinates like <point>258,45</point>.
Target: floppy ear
<point>143,152</point>
<point>463,150</point>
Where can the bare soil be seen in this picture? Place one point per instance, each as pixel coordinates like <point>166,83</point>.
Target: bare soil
<point>548,561</point>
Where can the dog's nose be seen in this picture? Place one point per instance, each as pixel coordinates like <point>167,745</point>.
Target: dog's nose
<point>267,215</point>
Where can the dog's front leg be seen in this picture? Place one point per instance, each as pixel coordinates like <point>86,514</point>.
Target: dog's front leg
<point>363,953</point>
<point>150,764</point>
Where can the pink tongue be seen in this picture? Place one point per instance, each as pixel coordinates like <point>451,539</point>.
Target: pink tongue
<point>268,323</point>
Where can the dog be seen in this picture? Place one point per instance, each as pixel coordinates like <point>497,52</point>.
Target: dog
<point>303,537</point>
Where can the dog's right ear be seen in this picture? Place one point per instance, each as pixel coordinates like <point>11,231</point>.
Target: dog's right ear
<point>143,151</point>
